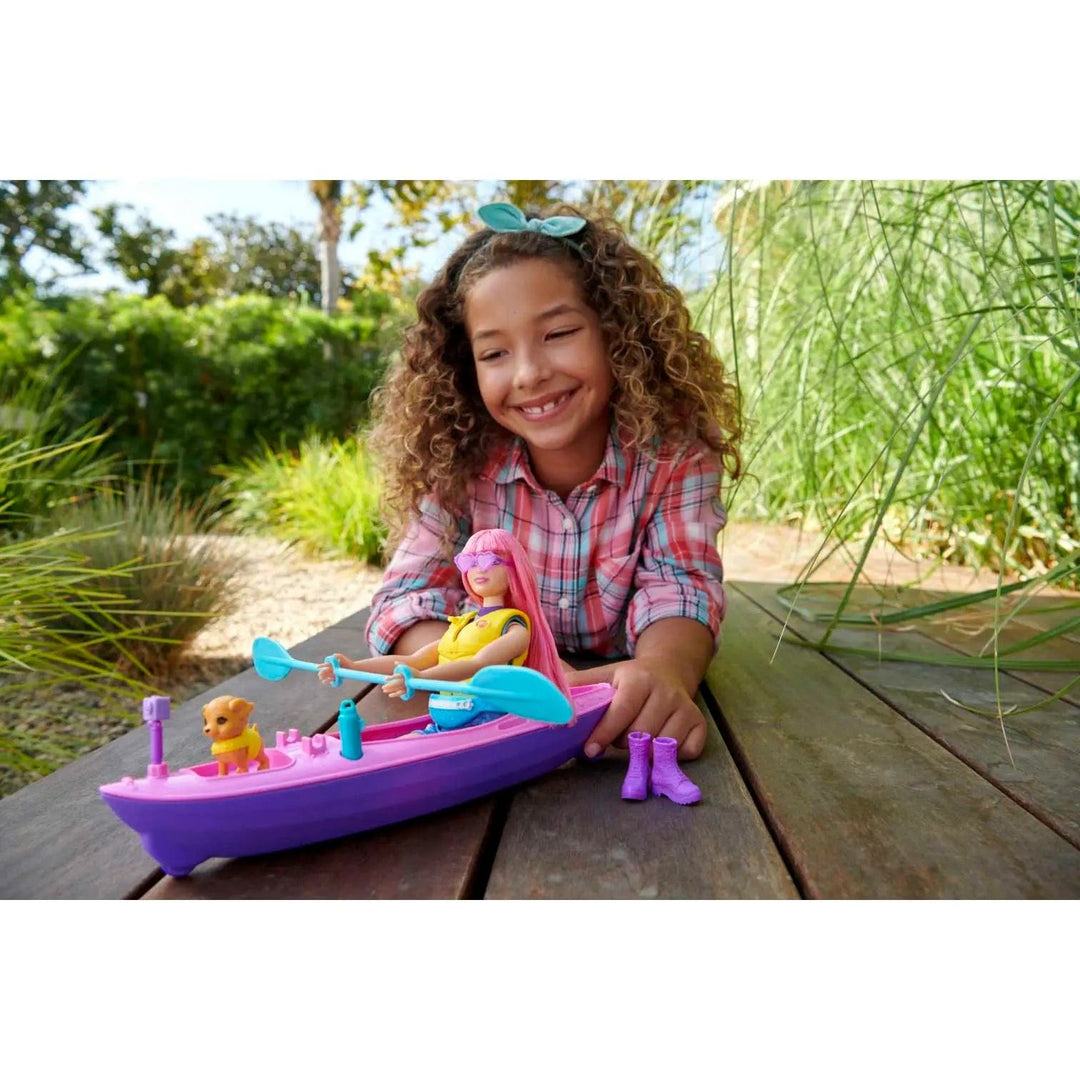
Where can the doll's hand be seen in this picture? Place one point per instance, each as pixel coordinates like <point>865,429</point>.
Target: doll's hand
<point>648,699</point>
<point>326,671</point>
<point>395,684</point>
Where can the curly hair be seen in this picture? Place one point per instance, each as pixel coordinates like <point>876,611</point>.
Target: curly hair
<point>431,430</point>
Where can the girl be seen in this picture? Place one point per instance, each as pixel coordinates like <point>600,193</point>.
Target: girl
<point>508,627</point>
<point>552,386</point>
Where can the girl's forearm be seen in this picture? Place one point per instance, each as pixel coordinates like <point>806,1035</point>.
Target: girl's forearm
<point>376,665</point>
<point>678,647</point>
<point>423,657</point>
<point>418,636</point>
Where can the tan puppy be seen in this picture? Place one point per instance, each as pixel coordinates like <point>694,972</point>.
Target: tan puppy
<point>234,742</point>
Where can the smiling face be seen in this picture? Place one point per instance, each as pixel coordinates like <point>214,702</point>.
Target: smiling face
<point>542,367</point>
<point>490,584</point>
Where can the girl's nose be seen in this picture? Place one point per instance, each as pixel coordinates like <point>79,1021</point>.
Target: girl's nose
<point>531,369</point>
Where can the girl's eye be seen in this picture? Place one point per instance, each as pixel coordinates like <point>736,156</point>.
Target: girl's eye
<point>564,333</point>
<point>494,355</point>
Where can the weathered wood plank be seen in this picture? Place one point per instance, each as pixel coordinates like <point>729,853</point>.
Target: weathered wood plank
<point>863,803</point>
<point>570,835</point>
<point>973,636</point>
<point>1049,614</point>
<point>59,839</point>
<point>429,858</point>
<point>433,857</point>
<point>968,630</point>
<point>1044,773</point>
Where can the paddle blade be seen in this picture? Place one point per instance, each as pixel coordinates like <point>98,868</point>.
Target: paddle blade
<point>523,691</point>
<point>270,659</point>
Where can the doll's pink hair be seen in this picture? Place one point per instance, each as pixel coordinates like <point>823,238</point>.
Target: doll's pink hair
<point>524,594</point>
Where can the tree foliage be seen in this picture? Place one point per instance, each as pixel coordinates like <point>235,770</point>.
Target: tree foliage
<point>145,254</point>
<point>31,216</point>
<point>240,255</point>
<point>662,216</point>
<point>270,259</point>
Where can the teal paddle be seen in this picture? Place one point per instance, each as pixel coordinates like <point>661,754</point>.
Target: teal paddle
<point>519,690</point>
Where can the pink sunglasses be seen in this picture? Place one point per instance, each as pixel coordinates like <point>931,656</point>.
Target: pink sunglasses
<point>482,560</point>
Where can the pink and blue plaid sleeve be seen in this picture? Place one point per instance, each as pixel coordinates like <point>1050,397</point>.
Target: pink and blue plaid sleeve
<point>680,573</point>
<point>420,583</point>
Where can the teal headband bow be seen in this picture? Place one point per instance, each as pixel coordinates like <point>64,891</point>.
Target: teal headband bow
<point>505,217</point>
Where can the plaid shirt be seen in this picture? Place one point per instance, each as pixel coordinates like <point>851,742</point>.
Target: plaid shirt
<point>634,544</point>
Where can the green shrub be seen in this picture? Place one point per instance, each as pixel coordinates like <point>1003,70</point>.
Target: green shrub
<point>44,583</point>
<point>56,614</point>
<point>324,497</point>
<point>40,470</point>
<point>191,389</point>
<point>176,579</point>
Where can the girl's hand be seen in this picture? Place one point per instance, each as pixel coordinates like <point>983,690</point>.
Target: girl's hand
<point>326,671</point>
<point>648,699</point>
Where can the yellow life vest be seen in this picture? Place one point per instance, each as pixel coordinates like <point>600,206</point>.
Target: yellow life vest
<point>249,737</point>
<point>468,634</point>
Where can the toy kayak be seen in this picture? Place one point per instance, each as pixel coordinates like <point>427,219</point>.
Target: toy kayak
<point>311,791</point>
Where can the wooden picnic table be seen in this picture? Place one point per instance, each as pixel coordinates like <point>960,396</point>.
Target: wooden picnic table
<point>824,776</point>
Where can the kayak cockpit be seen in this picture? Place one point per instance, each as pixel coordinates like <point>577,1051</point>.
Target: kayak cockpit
<point>278,761</point>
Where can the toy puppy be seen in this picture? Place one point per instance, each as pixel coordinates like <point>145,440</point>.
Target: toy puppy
<point>235,743</point>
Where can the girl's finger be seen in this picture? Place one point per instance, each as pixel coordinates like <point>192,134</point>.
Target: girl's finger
<point>621,715</point>
<point>688,729</point>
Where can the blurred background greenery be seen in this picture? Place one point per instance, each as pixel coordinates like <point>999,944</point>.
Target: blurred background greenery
<point>907,355</point>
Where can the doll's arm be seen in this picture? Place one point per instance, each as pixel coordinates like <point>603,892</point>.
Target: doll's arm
<point>422,658</point>
<point>501,651</point>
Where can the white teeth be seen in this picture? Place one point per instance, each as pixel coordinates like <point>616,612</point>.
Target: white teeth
<point>541,409</point>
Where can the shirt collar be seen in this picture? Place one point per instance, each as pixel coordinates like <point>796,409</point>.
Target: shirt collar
<point>511,463</point>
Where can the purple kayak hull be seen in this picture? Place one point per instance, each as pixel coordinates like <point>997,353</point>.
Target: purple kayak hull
<point>311,793</point>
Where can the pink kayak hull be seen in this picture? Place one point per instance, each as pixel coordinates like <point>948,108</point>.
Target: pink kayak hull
<point>311,793</point>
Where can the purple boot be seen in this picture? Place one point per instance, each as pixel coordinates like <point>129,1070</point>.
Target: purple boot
<point>667,778</point>
<point>636,784</point>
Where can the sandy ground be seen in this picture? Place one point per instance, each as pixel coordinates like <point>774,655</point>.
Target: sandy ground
<point>284,595</point>
<point>777,553</point>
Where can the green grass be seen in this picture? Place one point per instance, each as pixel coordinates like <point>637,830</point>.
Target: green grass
<point>54,611</point>
<point>97,606</point>
<point>43,582</point>
<point>174,580</point>
<point>44,462</point>
<point>909,363</point>
<point>325,498</point>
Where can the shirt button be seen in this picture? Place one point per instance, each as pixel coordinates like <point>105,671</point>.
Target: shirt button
<point>567,524</point>
<point>564,602</point>
<point>591,489</point>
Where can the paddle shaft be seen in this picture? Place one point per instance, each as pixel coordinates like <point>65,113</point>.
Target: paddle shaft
<point>411,684</point>
<point>433,684</point>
